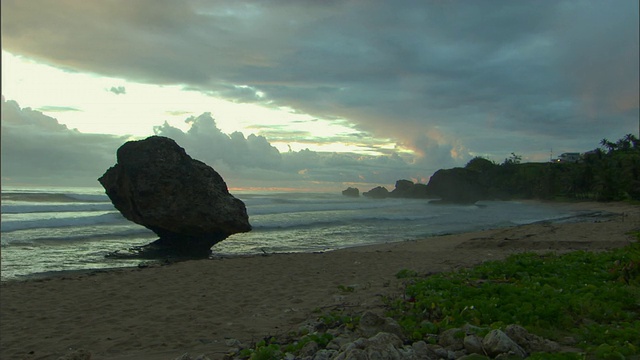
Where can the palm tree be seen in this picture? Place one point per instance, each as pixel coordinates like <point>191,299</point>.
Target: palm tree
<point>624,143</point>
<point>632,140</point>
<point>608,144</point>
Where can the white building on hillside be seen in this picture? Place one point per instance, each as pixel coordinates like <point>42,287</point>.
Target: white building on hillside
<point>569,158</point>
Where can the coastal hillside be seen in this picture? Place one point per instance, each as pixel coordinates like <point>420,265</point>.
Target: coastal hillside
<point>608,173</point>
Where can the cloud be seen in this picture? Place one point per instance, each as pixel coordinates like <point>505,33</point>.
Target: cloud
<point>37,150</point>
<point>252,161</point>
<point>205,141</point>
<point>120,90</point>
<point>57,108</point>
<point>445,78</point>
<point>178,112</point>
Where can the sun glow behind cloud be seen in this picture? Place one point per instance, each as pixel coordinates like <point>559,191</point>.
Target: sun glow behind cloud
<point>105,105</point>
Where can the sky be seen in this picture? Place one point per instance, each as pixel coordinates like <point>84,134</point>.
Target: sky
<point>313,95</point>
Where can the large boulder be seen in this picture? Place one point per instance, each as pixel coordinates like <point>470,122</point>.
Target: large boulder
<point>184,201</point>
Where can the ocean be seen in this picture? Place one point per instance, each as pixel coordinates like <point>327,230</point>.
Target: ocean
<point>48,230</point>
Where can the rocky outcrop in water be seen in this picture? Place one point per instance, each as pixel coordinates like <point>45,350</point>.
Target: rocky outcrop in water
<point>408,189</point>
<point>156,184</point>
<point>379,192</point>
<point>352,192</point>
<point>457,185</point>
<point>403,189</point>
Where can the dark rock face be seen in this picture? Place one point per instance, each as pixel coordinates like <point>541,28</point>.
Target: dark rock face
<point>186,202</point>
<point>407,189</point>
<point>353,192</point>
<point>456,185</point>
<point>377,193</point>
<point>403,189</point>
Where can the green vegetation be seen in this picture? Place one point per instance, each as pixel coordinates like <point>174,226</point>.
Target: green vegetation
<point>275,348</point>
<point>591,297</point>
<point>405,273</point>
<point>346,289</point>
<point>336,319</point>
<point>611,172</point>
<point>264,350</point>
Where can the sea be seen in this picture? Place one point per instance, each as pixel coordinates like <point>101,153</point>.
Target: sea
<point>45,231</point>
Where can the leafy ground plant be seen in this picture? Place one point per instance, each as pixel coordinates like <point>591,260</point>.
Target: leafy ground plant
<point>591,297</point>
<point>280,347</point>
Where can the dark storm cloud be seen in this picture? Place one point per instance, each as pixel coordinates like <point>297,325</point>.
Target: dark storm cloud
<point>446,78</point>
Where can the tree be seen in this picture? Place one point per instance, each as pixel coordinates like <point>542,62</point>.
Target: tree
<point>628,142</point>
<point>480,164</point>
<point>513,159</point>
<point>608,145</point>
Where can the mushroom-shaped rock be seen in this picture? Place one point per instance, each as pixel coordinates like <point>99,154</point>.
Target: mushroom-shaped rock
<point>156,184</point>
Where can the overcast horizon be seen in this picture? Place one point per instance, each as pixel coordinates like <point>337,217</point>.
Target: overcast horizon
<point>312,95</point>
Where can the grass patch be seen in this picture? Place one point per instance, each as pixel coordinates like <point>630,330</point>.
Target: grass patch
<point>405,274</point>
<point>335,319</point>
<point>592,297</point>
<point>346,289</point>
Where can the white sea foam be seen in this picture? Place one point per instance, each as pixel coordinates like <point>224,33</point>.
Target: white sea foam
<point>9,207</point>
<point>55,221</point>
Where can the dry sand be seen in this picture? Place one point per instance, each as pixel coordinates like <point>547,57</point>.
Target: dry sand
<point>195,306</point>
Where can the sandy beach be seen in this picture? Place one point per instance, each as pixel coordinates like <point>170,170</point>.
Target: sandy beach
<point>161,312</point>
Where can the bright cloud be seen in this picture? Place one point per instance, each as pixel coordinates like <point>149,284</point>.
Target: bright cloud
<point>91,106</point>
<point>38,150</point>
